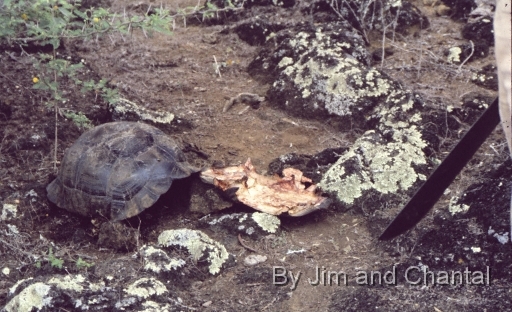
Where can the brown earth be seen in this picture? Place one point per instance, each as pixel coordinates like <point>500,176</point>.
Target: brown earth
<point>177,73</point>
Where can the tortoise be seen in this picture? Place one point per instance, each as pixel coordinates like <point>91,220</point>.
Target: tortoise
<point>117,170</point>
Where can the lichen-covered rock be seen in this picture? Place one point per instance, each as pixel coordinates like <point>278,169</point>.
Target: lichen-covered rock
<point>157,260</point>
<point>268,223</point>
<point>486,77</point>
<point>480,31</point>
<point>323,72</point>
<point>255,31</point>
<point>9,211</point>
<point>473,104</point>
<point>53,292</point>
<point>388,160</point>
<point>127,110</point>
<point>255,224</point>
<point>198,244</point>
<point>146,287</point>
<point>78,293</point>
<point>471,52</point>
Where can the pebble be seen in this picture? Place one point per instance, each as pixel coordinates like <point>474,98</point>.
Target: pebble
<point>252,260</point>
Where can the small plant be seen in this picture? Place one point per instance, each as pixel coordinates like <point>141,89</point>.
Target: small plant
<point>49,22</point>
<point>79,119</point>
<point>54,261</point>
<point>82,264</point>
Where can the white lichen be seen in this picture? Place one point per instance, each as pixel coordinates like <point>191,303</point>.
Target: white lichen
<point>285,61</point>
<point>14,287</point>
<point>384,165</point>
<point>387,168</point>
<point>454,55</point>
<point>124,107</point>
<point>267,222</point>
<point>157,260</point>
<point>146,287</point>
<point>33,297</point>
<point>9,212</point>
<point>152,306</point>
<point>331,76</point>
<point>455,208</point>
<point>198,244</point>
<point>68,282</point>
<point>476,249</point>
<point>252,260</point>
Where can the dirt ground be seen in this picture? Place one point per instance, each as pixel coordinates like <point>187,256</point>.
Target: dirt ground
<point>178,74</point>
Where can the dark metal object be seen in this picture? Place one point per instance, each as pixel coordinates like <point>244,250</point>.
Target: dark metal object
<point>430,192</point>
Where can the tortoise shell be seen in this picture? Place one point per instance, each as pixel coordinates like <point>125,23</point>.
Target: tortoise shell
<point>117,169</point>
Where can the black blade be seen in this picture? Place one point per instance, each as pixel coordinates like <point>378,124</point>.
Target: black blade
<point>430,192</point>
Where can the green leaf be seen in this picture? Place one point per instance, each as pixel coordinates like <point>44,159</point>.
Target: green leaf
<point>40,86</point>
<point>65,12</point>
<point>80,14</point>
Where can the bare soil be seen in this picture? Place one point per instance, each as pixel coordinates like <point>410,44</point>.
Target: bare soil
<point>177,73</point>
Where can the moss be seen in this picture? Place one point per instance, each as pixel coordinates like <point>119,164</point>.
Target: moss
<point>268,223</point>
<point>198,244</point>
<point>146,287</point>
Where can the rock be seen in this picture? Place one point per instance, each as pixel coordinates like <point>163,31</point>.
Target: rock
<point>460,53</point>
<point>252,260</point>
<point>486,77</point>
<point>390,159</point>
<point>479,32</point>
<point>9,211</point>
<point>198,244</point>
<point>322,72</point>
<point>254,225</point>
<point>126,110</point>
<point>460,8</point>
<point>57,291</point>
<point>157,260</point>
<point>257,30</point>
